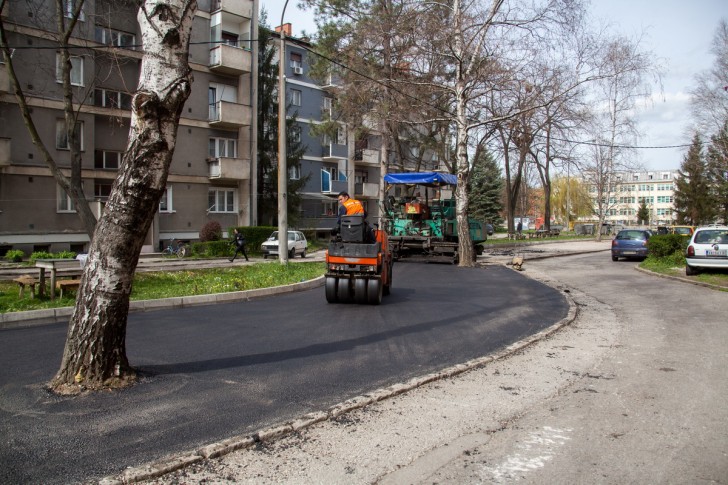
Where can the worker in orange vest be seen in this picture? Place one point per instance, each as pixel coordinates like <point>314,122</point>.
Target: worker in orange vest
<point>349,206</point>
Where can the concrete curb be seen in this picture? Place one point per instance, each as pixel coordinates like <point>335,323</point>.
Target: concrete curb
<point>52,315</point>
<point>224,447</point>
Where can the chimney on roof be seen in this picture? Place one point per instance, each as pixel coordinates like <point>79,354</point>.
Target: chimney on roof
<point>287,29</point>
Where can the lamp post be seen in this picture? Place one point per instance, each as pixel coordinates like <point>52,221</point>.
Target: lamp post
<point>282,165</point>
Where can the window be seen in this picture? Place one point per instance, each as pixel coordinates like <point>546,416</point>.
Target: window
<point>115,38</point>
<point>112,99</point>
<point>104,159</point>
<point>228,38</point>
<point>328,104</point>
<point>223,147</point>
<point>69,7</point>
<point>296,134</point>
<point>329,208</point>
<point>221,200</point>
<point>76,69</point>
<point>295,97</point>
<point>294,172</point>
<point>165,203</point>
<point>102,189</point>
<point>296,59</point>
<point>64,202</point>
<point>62,138</point>
<point>341,135</point>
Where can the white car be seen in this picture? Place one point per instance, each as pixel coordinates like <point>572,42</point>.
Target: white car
<point>708,248</point>
<point>297,244</point>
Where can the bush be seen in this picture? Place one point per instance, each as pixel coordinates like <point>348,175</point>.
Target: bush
<point>40,255</point>
<point>665,246</point>
<point>211,249</point>
<point>211,231</point>
<point>65,255</point>
<point>14,255</point>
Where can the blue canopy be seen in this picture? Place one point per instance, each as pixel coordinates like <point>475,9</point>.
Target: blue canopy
<point>429,179</point>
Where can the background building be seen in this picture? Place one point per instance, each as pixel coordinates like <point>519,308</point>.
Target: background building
<point>210,176</point>
<point>656,188</point>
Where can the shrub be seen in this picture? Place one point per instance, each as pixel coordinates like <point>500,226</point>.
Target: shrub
<point>211,249</point>
<point>664,246</point>
<point>14,255</point>
<point>40,255</point>
<point>65,255</point>
<point>211,231</point>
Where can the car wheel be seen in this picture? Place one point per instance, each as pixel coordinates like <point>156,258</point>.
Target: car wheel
<point>292,253</point>
<point>303,254</point>
<point>265,256</point>
<point>615,258</point>
<point>690,271</point>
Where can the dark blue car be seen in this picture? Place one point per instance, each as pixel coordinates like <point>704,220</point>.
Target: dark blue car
<point>630,243</point>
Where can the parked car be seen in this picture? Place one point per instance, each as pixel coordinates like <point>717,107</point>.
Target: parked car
<point>297,244</point>
<point>630,243</point>
<point>708,248</point>
<point>686,231</point>
<point>489,229</point>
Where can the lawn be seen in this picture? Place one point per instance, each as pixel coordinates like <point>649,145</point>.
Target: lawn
<point>673,267</point>
<point>166,284</point>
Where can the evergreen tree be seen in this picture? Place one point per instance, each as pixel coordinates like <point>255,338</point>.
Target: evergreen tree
<point>268,138</point>
<point>485,189</point>
<point>693,201</point>
<point>718,171</point>
<point>643,213</point>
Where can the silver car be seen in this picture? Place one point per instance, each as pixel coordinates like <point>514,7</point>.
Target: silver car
<point>708,248</point>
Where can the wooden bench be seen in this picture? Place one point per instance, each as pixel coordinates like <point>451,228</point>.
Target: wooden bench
<point>67,285</point>
<point>24,281</point>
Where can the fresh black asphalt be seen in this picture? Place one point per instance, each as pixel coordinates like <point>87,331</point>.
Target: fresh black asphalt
<point>213,372</point>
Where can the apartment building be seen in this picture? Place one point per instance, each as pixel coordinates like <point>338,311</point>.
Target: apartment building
<point>210,175</point>
<point>656,188</point>
<point>332,163</point>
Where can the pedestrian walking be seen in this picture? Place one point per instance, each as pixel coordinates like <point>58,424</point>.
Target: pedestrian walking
<point>239,243</point>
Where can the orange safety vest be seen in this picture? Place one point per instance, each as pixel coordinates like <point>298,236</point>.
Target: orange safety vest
<point>353,207</point>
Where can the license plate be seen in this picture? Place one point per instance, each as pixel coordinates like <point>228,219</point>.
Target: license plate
<point>629,252</point>
<point>720,253</point>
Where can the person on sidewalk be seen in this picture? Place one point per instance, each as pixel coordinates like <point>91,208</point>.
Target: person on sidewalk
<point>239,243</point>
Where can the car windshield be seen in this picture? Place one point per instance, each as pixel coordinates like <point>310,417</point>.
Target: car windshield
<point>712,236</point>
<point>632,235</point>
<point>685,231</point>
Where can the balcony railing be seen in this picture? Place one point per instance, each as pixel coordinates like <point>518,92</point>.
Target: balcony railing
<point>225,114</point>
<point>225,168</point>
<point>228,59</point>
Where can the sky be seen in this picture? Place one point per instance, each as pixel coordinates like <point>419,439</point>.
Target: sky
<point>678,32</point>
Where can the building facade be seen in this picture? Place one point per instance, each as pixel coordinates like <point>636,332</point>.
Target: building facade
<point>331,163</point>
<point>210,175</point>
<point>656,188</point>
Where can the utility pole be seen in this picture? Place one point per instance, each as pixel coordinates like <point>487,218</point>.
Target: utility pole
<point>282,165</point>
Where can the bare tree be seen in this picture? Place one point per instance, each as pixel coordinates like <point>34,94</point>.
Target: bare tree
<point>613,130</point>
<point>72,99</point>
<point>95,352</point>
<point>709,100</point>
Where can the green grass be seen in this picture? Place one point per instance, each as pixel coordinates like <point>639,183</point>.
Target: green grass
<point>166,284</point>
<point>675,266</point>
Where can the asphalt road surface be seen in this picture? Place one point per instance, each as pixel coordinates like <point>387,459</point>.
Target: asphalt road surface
<point>633,391</point>
<point>220,371</point>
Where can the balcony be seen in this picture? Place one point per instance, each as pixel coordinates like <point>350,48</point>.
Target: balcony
<point>229,169</point>
<point>230,60</point>
<point>367,190</point>
<point>367,157</point>
<point>227,115</point>
<point>238,8</point>
<point>334,153</point>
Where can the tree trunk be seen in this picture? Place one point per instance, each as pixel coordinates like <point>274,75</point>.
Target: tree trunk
<point>95,351</point>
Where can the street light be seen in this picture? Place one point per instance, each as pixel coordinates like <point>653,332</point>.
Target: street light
<point>282,169</point>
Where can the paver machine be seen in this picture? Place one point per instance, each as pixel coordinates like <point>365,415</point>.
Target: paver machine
<point>421,228</point>
<point>358,263</point>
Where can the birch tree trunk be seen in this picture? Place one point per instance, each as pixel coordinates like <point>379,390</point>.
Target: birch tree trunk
<point>95,351</point>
